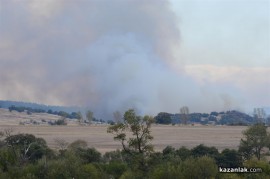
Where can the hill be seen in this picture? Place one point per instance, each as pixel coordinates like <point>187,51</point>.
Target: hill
<point>13,118</point>
<point>69,109</point>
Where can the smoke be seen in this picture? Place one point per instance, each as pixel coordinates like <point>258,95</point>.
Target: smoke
<point>106,55</point>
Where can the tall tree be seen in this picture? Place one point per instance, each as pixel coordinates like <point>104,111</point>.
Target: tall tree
<point>117,116</point>
<point>89,116</point>
<point>259,115</point>
<point>138,145</point>
<point>184,111</point>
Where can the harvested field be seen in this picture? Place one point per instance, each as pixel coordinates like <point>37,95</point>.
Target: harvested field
<point>176,136</point>
<point>97,136</point>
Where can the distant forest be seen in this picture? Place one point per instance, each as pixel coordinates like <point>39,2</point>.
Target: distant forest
<point>214,118</point>
<point>68,109</point>
<point>67,112</point>
<point>232,117</point>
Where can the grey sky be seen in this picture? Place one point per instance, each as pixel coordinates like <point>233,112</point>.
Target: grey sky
<point>224,32</point>
<point>150,55</point>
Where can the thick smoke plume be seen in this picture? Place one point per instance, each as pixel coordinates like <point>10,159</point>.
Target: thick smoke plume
<point>106,55</point>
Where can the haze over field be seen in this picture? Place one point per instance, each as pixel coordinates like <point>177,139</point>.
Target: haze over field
<point>150,55</point>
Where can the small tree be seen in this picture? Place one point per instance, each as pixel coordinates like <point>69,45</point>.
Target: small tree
<point>256,138</point>
<point>89,116</point>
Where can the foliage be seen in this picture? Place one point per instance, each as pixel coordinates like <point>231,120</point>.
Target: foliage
<point>88,155</point>
<point>116,169</point>
<point>113,156</point>
<point>29,111</point>
<point>163,118</point>
<point>236,118</point>
<point>27,147</point>
<point>255,139</point>
<point>183,153</point>
<point>195,168</point>
<point>137,146</point>
<point>253,163</point>
<point>60,122</point>
<point>202,150</point>
<point>26,156</point>
<point>111,122</point>
<point>167,171</point>
<point>140,130</point>
<point>77,144</point>
<point>229,158</point>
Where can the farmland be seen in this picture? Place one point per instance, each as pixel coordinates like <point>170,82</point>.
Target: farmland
<point>96,135</point>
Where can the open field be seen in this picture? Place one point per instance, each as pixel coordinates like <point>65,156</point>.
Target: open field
<point>176,136</point>
<point>97,136</point>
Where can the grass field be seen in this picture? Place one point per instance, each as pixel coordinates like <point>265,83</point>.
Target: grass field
<point>97,136</point>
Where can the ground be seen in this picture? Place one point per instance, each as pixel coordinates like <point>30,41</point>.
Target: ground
<point>96,135</point>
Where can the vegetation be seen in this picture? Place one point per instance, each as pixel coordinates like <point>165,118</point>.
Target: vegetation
<point>256,138</point>
<point>89,116</point>
<point>72,115</point>
<point>218,118</point>
<point>137,147</point>
<point>184,111</point>
<point>77,160</point>
<point>232,117</point>
<point>26,156</point>
<point>163,118</point>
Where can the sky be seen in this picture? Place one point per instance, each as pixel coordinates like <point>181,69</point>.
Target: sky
<point>149,55</point>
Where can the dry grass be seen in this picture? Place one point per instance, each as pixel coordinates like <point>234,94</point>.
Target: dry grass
<point>97,136</point>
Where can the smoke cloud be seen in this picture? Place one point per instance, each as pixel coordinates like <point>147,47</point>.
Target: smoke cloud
<point>106,55</point>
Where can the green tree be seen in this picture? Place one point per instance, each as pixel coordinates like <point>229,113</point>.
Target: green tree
<point>163,118</point>
<point>116,169</point>
<point>183,153</point>
<point>167,171</point>
<point>229,158</point>
<point>113,156</point>
<point>169,153</point>
<point>202,167</point>
<point>138,145</point>
<point>88,155</point>
<point>255,139</point>
<point>253,163</point>
<point>77,144</point>
<point>202,150</point>
<point>26,147</point>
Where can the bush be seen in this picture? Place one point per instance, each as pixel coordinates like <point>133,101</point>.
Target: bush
<point>116,169</point>
<point>202,167</point>
<point>202,150</point>
<point>229,158</point>
<point>183,153</point>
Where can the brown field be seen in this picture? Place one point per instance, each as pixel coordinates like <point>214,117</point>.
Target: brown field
<point>97,136</point>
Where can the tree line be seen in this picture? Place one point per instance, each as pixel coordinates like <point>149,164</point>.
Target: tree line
<point>232,117</point>
<point>29,110</point>
<point>27,156</point>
